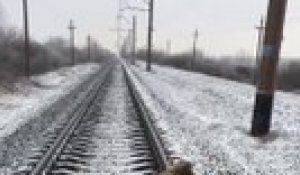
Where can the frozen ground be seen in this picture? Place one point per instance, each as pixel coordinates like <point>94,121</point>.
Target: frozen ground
<point>208,120</point>
<point>33,96</point>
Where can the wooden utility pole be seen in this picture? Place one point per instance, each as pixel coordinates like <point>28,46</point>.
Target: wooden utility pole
<point>261,31</point>
<point>72,41</point>
<point>26,39</point>
<point>150,35</point>
<point>89,47</point>
<point>195,40</point>
<point>261,122</point>
<point>134,39</point>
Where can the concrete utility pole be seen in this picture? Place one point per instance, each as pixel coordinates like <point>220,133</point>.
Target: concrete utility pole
<point>128,45</point>
<point>134,39</point>
<point>26,39</point>
<point>150,35</point>
<point>168,47</point>
<point>72,41</point>
<point>195,40</point>
<point>119,27</point>
<point>261,32</point>
<point>261,122</point>
<point>89,47</point>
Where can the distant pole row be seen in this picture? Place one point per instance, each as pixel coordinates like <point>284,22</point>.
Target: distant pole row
<point>267,57</point>
<point>132,35</point>
<point>150,37</point>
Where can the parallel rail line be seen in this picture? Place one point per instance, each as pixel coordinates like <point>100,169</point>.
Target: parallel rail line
<point>55,150</point>
<point>158,149</point>
<point>164,160</point>
<point>157,145</point>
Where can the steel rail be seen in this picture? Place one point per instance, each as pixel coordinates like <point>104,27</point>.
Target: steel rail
<point>55,150</point>
<point>162,160</point>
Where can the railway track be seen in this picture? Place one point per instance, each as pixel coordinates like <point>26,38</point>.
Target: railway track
<point>110,132</point>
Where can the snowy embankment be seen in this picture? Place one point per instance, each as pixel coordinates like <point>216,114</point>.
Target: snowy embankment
<point>208,120</point>
<point>38,93</point>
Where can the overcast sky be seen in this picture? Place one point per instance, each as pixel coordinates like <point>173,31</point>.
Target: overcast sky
<point>226,27</point>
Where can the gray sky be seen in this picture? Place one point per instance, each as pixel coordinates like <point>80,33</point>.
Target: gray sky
<point>226,27</point>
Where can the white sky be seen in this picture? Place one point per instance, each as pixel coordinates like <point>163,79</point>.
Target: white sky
<point>226,27</point>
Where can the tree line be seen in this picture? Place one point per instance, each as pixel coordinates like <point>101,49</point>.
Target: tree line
<point>45,56</point>
<point>240,68</point>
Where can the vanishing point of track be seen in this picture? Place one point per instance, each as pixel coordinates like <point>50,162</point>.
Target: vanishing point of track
<point>110,132</point>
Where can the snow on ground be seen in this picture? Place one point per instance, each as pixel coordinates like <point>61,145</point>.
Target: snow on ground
<point>35,95</point>
<point>208,118</point>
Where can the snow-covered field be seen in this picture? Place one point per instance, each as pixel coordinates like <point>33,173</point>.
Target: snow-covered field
<point>208,120</point>
<point>37,94</point>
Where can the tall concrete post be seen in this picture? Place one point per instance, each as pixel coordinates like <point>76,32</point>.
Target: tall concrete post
<point>134,39</point>
<point>26,38</point>
<point>150,35</point>
<point>72,41</point>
